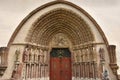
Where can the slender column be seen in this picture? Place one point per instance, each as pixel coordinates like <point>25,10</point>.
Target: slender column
<point>34,70</point>
<point>82,69</point>
<point>100,71</point>
<point>23,76</point>
<point>46,74</point>
<point>79,70</point>
<point>86,69</point>
<point>75,70</point>
<point>29,71</point>
<point>47,70</point>
<point>90,70</point>
<point>88,64</point>
<point>93,70</point>
<point>40,70</point>
<point>26,71</point>
<point>44,70</point>
<point>37,71</point>
<point>96,72</point>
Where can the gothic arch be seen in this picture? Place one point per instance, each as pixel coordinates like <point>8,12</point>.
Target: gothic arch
<point>54,3</point>
<point>58,24</point>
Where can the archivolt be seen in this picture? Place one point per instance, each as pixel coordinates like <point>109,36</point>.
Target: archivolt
<point>60,21</point>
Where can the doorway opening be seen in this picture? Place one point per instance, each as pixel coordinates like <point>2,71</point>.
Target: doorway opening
<point>60,64</point>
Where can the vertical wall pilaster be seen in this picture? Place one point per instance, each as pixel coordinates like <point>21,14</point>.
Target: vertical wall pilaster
<point>113,61</point>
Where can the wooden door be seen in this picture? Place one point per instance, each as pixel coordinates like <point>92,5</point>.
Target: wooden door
<point>60,64</point>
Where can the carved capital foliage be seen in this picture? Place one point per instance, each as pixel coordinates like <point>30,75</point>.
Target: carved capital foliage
<point>114,68</point>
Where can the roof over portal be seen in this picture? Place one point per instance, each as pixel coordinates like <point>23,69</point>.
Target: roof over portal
<point>55,17</point>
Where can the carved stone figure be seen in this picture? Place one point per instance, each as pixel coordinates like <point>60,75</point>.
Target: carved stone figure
<point>45,56</point>
<point>26,55</point>
<point>36,52</point>
<point>60,40</point>
<point>17,53</point>
<point>77,56</point>
<point>101,51</point>
<point>32,56</point>
<point>41,56</point>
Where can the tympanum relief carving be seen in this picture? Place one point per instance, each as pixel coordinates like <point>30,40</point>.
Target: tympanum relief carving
<point>60,40</point>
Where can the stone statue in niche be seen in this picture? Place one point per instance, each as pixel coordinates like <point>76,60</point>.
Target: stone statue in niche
<point>77,56</point>
<point>17,53</point>
<point>32,55</point>
<point>74,56</point>
<point>80,53</point>
<point>45,56</point>
<point>101,51</point>
<point>60,40</point>
<point>94,54</point>
<point>81,56</point>
<point>26,54</point>
<point>36,52</point>
<point>41,56</point>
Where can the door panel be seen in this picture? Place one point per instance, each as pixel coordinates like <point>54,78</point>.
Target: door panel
<point>54,69</point>
<point>60,64</point>
<point>66,69</point>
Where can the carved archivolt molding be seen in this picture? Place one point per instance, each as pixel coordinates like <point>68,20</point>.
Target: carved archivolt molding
<point>60,21</point>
